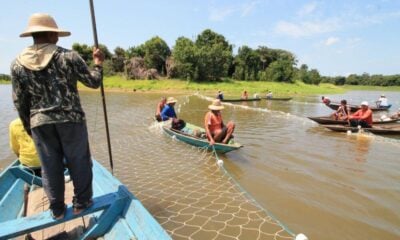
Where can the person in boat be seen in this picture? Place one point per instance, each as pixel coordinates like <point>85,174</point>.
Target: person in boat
<point>220,95</point>
<point>216,130</point>
<point>326,100</point>
<point>343,111</point>
<point>169,110</point>
<point>160,107</point>
<point>363,117</point>
<point>269,95</point>
<point>44,78</point>
<point>382,101</point>
<point>245,95</point>
<point>396,115</point>
<point>255,95</point>
<point>24,147</point>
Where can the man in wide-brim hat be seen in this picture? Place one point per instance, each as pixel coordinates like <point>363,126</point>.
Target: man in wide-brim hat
<point>44,78</point>
<point>216,130</point>
<point>168,111</point>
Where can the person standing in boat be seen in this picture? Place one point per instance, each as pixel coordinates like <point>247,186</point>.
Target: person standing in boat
<point>44,80</point>
<point>160,107</point>
<point>220,95</point>
<point>363,117</point>
<point>245,95</point>
<point>169,110</point>
<point>23,146</point>
<point>382,101</point>
<point>343,111</point>
<point>216,130</point>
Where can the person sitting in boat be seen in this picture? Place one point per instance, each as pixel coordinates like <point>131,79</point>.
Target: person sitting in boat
<point>24,147</point>
<point>255,95</point>
<point>363,117</point>
<point>160,107</point>
<point>216,130</point>
<point>220,95</point>
<point>269,95</point>
<point>382,101</point>
<point>396,115</point>
<point>245,95</point>
<point>168,110</point>
<point>343,111</point>
<point>325,100</point>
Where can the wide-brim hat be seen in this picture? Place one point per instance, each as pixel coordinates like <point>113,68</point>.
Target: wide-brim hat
<point>41,22</point>
<point>171,100</point>
<point>216,105</point>
<point>364,103</point>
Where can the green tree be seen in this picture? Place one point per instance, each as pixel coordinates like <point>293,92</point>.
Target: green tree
<point>135,52</point>
<point>156,52</point>
<point>185,57</point>
<point>247,64</point>
<point>280,71</point>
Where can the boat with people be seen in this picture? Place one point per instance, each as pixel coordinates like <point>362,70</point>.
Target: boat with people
<point>195,136</point>
<point>332,120</point>
<point>241,100</point>
<point>389,129</point>
<point>278,98</point>
<point>354,108</point>
<point>115,214</point>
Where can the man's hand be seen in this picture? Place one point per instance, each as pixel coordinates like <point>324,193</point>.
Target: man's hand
<point>98,56</point>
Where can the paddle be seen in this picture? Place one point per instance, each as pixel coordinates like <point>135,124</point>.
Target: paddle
<point>96,44</point>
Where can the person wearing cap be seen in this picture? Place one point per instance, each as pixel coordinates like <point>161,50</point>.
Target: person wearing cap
<point>44,80</point>
<point>216,130</point>
<point>363,117</point>
<point>382,101</point>
<point>169,110</point>
<point>160,107</point>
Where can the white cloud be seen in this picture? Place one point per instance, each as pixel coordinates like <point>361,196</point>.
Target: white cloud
<point>307,9</point>
<point>218,15</point>
<point>247,8</point>
<point>331,40</point>
<point>307,28</point>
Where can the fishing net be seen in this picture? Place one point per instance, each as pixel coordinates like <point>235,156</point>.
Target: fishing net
<point>183,187</point>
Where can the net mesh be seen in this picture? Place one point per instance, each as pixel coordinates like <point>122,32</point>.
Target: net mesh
<point>186,191</point>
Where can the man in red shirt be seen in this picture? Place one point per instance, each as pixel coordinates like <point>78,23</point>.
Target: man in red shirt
<point>362,117</point>
<point>216,131</point>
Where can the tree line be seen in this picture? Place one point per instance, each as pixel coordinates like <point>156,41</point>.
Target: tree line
<point>210,57</point>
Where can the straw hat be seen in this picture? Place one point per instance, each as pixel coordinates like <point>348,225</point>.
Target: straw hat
<point>41,22</point>
<point>365,103</point>
<point>216,105</point>
<point>171,100</point>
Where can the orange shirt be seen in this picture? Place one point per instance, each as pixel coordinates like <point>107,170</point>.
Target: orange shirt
<point>363,115</point>
<point>213,121</point>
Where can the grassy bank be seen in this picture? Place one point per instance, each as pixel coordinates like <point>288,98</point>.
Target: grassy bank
<point>229,87</point>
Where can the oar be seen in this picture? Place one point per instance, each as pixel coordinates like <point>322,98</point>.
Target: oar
<point>96,44</point>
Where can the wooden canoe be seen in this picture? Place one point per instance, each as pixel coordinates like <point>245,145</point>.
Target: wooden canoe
<point>354,108</point>
<point>241,100</point>
<point>186,135</point>
<point>390,129</point>
<point>330,120</point>
<point>277,98</point>
<point>115,212</point>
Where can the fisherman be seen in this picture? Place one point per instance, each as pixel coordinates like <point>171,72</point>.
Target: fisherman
<point>220,95</point>
<point>216,130</point>
<point>44,79</point>
<point>169,110</point>
<point>245,95</point>
<point>363,117</point>
<point>160,107</point>
<point>382,101</point>
<point>343,111</point>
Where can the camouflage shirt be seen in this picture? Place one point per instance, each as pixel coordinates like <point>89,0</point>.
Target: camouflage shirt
<point>50,95</point>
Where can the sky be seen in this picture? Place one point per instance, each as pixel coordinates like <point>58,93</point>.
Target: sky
<point>336,37</point>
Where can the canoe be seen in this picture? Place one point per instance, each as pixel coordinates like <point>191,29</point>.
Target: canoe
<point>330,120</point>
<point>187,135</point>
<point>116,212</point>
<point>354,108</point>
<point>390,129</point>
<point>277,98</point>
<point>241,100</point>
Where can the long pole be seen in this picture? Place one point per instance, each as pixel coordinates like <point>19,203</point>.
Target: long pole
<point>96,44</point>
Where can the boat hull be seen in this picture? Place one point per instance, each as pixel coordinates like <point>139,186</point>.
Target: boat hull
<point>329,120</point>
<point>241,100</point>
<point>393,129</point>
<point>354,108</point>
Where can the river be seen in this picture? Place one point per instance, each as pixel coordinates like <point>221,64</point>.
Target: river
<point>324,184</point>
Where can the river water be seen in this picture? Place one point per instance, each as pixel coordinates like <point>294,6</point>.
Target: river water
<point>324,184</point>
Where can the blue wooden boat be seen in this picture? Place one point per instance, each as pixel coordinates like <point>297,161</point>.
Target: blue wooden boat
<point>195,136</point>
<point>116,212</point>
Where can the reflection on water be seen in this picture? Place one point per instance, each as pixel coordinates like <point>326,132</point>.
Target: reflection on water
<point>325,184</point>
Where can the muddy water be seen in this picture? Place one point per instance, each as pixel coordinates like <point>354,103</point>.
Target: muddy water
<point>327,185</point>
